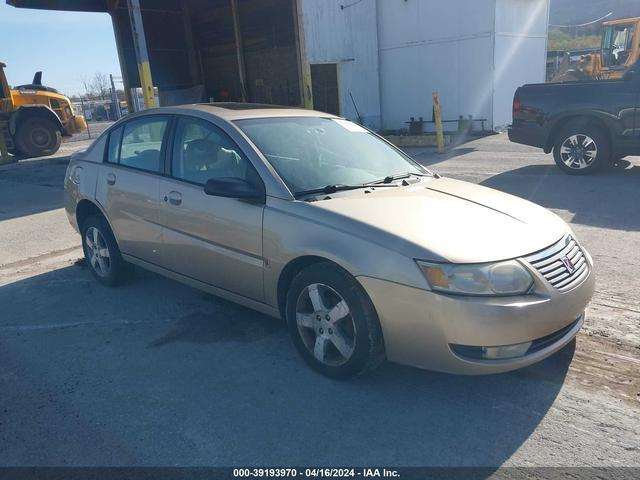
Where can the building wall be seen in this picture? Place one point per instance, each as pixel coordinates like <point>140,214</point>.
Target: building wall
<point>349,38</point>
<point>393,54</point>
<point>428,46</point>
<point>520,51</point>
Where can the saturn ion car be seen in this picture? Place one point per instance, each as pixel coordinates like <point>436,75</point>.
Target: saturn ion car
<point>363,252</point>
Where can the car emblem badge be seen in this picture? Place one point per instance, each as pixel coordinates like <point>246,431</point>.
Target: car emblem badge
<point>568,264</point>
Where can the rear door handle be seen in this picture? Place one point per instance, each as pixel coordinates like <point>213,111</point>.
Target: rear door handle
<point>111,179</point>
<point>174,198</point>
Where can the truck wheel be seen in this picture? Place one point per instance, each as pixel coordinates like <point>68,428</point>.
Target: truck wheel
<point>581,149</point>
<point>333,323</point>
<point>37,137</point>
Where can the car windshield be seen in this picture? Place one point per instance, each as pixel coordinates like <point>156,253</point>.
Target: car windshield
<point>311,153</point>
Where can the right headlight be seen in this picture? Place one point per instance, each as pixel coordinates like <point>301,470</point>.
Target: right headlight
<point>487,279</point>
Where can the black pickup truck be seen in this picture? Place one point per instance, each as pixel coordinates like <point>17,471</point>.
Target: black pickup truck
<point>586,124</point>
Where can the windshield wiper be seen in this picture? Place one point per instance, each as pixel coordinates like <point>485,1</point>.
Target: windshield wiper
<point>329,189</point>
<point>399,176</point>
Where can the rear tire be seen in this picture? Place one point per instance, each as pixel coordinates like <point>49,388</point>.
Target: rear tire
<point>582,148</point>
<point>333,323</point>
<point>38,137</point>
<point>101,251</point>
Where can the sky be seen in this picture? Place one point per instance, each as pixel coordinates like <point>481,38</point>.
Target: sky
<point>66,46</point>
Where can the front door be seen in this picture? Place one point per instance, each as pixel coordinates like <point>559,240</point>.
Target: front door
<point>129,182</point>
<point>214,240</point>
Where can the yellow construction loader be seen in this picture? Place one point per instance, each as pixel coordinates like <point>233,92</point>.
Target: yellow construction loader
<point>34,118</point>
<point>620,49</point>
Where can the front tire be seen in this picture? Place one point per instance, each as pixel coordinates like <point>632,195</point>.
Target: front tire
<point>38,137</point>
<point>333,323</point>
<point>101,251</point>
<point>581,149</point>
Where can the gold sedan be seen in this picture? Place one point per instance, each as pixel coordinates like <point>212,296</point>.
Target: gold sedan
<point>363,252</point>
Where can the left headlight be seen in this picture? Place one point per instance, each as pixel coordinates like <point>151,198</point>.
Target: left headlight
<point>488,279</point>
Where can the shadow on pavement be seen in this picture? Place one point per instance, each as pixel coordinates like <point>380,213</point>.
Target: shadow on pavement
<point>227,388</point>
<point>32,186</point>
<point>548,186</point>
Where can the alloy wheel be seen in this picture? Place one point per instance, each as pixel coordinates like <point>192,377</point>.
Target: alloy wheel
<point>578,151</point>
<point>325,324</point>
<point>97,251</point>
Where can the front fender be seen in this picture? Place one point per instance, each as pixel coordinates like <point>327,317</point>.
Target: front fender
<point>30,111</point>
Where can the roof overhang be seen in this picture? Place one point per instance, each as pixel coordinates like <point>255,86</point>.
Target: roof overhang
<point>66,5</point>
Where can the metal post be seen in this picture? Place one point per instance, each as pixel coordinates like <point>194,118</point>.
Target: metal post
<point>114,99</point>
<point>306,94</point>
<point>4,154</point>
<point>438,120</point>
<point>121,58</point>
<point>242,69</point>
<point>140,43</point>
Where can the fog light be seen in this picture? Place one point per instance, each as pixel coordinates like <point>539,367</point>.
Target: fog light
<point>505,351</point>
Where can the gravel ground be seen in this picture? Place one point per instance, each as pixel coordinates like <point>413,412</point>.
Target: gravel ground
<point>156,373</point>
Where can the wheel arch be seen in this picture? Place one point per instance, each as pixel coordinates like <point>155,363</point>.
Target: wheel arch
<point>289,272</point>
<point>26,112</point>
<point>561,123</point>
<point>85,209</point>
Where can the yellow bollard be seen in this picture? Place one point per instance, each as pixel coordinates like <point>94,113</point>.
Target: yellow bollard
<point>437,117</point>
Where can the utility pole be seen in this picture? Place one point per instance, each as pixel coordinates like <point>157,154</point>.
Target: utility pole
<point>140,44</point>
<point>114,100</point>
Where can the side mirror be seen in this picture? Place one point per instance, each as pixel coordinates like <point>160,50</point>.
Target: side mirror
<point>234,188</point>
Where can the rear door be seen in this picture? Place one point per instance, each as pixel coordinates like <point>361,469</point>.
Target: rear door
<point>129,183</point>
<point>214,240</point>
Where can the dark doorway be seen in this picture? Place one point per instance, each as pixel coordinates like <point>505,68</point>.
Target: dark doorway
<point>324,82</point>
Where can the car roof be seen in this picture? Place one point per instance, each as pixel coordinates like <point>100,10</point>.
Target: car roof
<point>239,111</point>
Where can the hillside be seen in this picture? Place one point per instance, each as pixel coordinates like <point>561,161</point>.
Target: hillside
<point>571,12</point>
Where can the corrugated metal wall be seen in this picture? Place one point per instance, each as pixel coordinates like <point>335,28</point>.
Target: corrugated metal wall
<point>348,37</point>
<point>394,54</point>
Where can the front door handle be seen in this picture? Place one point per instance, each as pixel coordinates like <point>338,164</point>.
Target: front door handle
<point>175,198</point>
<point>111,179</point>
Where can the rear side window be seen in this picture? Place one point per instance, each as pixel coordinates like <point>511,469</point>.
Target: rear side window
<point>141,144</point>
<point>113,148</point>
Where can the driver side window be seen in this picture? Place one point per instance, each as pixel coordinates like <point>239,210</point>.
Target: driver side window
<point>201,151</point>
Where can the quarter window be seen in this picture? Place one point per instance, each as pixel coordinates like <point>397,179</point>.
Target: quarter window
<point>142,143</point>
<point>202,151</point>
<point>113,148</point>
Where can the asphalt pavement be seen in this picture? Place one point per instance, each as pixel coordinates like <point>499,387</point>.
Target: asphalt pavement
<point>154,373</point>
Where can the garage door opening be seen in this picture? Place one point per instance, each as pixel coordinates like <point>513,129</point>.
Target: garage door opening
<point>324,82</point>
<point>258,65</point>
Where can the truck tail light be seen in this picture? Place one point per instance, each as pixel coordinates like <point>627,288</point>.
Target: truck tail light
<point>517,106</point>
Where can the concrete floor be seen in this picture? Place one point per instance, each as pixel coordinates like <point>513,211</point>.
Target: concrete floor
<point>156,373</point>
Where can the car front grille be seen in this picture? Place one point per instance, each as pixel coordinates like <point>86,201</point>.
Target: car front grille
<point>564,265</point>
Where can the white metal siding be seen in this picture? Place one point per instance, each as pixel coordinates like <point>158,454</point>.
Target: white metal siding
<point>349,38</point>
<point>393,54</point>
<point>520,51</point>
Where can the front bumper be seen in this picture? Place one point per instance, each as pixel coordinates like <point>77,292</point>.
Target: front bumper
<point>421,328</point>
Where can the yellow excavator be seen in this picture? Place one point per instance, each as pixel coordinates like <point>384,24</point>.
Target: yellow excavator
<point>620,49</point>
<point>34,118</point>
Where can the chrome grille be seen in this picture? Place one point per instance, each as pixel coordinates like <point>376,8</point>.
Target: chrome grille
<point>550,262</point>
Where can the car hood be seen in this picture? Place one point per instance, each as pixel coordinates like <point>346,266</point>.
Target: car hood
<point>445,219</point>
